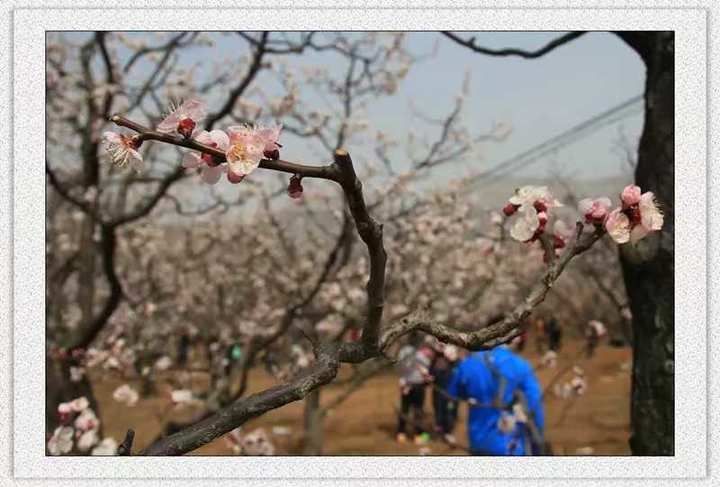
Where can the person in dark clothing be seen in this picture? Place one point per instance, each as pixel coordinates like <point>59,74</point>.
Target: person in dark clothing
<point>554,334</point>
<point>414,368</point>
<point>444,407</point>
<point>183,349</point>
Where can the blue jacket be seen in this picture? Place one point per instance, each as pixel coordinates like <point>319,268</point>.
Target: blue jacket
<point>472,378</point>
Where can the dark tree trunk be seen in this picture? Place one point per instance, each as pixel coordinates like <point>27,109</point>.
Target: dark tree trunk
<point>313,424</point>
<point>649,269</point>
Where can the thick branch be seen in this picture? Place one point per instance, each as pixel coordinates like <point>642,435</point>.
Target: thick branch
<point>229,418</point>
<point>371,232</point>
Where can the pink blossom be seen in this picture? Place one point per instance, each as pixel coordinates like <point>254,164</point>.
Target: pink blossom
<point>184,118</point>
<point>538,196</point>
<point>269,135</point>
<point>65,412</point>
<point>634,221</point>
<point>244,152</point>
<point>595,210</point>
<point>532,204</point>
<point>79,404</point>
<point>211,170</point>
<point>87,440</point>
<point>61,441</point>
<point>87,420</point>
<point>630,195</point>
<point>618,226</point>
<point>562,233</point>
<point>123,149</point>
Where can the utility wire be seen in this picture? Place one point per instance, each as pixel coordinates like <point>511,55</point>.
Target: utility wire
<point>573,134</point>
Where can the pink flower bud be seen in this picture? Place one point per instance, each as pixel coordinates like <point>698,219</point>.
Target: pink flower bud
<point>185,127</point>
<point>234,178</point>
<point>510,209</point>
<point>630,195</point>
<point>295,189</point>
<point>540,206</point>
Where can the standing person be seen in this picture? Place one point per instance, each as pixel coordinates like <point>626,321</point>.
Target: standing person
<point>414,374</point>
<point>183,349</point>
<point>505,398</point>
<point>444,407</point>
<point>594,331</point>
<point>554,334</point>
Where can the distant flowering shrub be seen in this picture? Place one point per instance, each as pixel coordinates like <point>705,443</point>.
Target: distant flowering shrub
<point>79,430</point>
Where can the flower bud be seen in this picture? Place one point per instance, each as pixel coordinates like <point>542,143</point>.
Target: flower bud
<point>234,178</point>
<point>185,127</point>
<point>295,189</point>
<point>630,195</point>
<point>510,209</point>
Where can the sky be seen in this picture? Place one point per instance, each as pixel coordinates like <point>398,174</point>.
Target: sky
<point>540,98</point>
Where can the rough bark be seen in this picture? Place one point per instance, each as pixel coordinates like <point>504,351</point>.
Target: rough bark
<point>649,269</point>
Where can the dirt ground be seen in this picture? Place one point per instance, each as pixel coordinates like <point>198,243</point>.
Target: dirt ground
<point>596,423</point>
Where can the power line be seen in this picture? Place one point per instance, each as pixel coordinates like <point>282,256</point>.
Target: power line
<point>573,134</point>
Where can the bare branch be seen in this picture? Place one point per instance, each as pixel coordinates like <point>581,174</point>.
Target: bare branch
<point>550,46</point>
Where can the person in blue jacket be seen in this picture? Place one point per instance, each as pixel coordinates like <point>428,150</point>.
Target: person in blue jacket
<point>505,400</point>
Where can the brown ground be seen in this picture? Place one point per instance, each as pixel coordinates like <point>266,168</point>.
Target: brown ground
<point>365,422</point>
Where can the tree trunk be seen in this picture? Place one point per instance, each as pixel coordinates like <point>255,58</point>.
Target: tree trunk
<point>649,269</point>
<point>313,424</point>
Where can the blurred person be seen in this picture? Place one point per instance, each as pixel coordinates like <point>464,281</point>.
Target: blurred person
<point>540,341</point>
<point>506,414</point>
<point>414,369</point>
<point>554,334</point>
<point>594,332</point>
<point>444,406</point>
<point>183,349</point>
<point>233,355</point>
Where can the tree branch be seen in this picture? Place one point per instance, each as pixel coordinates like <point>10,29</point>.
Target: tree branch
<point>550,46</point>
<point>227,419</point>
<point>502,330</point>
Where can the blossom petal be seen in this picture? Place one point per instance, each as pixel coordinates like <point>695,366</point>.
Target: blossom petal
<point>526,224</point>
<point>211,174</point>
<point>194,109</point>
<point>650,214</point>
<point>585,206</point>
<point>638,233</point>
<point>618,226</point>
<point>169,123</point>
<point>220,138</point>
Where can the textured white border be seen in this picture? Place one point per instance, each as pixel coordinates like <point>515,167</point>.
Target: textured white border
<point>690,345</point>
